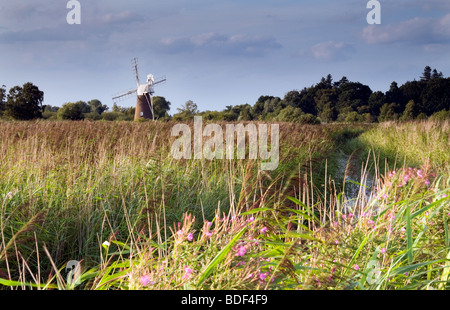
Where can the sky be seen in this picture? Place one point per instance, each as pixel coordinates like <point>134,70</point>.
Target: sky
<point>216,53</point>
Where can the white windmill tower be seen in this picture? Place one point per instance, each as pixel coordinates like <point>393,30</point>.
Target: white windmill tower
<point>144,102</point>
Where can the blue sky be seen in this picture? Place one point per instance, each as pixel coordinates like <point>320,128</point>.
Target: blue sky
<point>217,53</point>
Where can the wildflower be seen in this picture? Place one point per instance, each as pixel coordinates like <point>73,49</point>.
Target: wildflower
<point>209,224</point>
<point>419,173</point>
<point>145,280</point>
<point>335,241</point>
<point>251,219</point>
<point>350,215</point>
<point>180,233</point>
<point>427,182</point>
<point>370,222</point>
<point>187,272</point>
<point>241,251</point>
<point>444,196</point>
<point>250,276</point>
<point>263,230</point>
<point>190,237</point>
<point>385,196</point>
<point>356,267</point>
<point>209,234</point>
<point>383,250</point>
<point>263,276</point>
<point>344,216</point>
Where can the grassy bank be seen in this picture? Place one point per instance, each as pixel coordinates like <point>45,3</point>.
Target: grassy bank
<point>109,195</point>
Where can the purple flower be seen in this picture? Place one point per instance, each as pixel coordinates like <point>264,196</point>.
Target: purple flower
<point>241,251</point>
<point>263,230</point>
<point>356,267</point>
<point>190,237</point>
<point>145,280</point>
<point>427,182</point>
<point>187,272</point>
<point>263,276</point>
<point>383,250</point>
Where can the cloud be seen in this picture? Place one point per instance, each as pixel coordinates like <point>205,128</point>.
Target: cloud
<point>214,43</point>
<point>421,31</point>
<point>329,51</point>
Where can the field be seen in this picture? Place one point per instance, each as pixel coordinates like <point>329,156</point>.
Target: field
<point>349,207</point>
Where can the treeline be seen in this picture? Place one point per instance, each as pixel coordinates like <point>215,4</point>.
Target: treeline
<point>347,101</point>
<point>325,102</point>
<point>25,103</point>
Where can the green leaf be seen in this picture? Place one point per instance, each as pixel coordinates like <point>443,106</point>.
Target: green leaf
<point>220,256</point>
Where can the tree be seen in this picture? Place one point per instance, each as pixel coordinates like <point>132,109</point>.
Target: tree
<point>426,76</point>
<point>376,101</point>
<point>410,111</point>
<point>436,74</point>
<point>387,113</point>
<point>73,111</point>
<point>97,107</point>
<point>2,98</point>
<point>160,107</point>
<point>187,111</point>
<point>290,114</point>
<point>24,103</point>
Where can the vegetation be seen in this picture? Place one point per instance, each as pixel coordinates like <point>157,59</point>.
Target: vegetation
<point>324,102</point>
<point>108,194</point>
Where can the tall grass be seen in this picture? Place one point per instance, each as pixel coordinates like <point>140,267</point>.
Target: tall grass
<point>109,195</point>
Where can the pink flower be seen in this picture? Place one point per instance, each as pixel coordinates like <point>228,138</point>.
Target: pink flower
<point>187,272</point>
<point>145,280</point>
<point>385,196</point>
<point>209,234</point>
<point>241,251</point>
<point>427,182</point>
<point>356,267</point>
<point>383,250</point>
<point>209,224</point>
<point>190,237</point>
<point>335,241</point>
<point>180,233</point>
<point>251,219</point>
<point>263,230</point>
<point>263,276</point>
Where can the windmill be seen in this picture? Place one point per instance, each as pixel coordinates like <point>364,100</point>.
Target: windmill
<point>144,102</point>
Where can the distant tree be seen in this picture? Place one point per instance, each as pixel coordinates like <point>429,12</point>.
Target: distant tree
<point>352,95</point>
<point>435,96</point>
<point>24,103</point>
<point>376,101</point>
<point>187,111</point>
<point>50,112</point>
<point>290,114</point>
<point>410,111</point>
<point>2,99</point>
<point>161,107</point>
<point>441,115</point>
<point>97,107</point>
<point>342,81</point>
<point>387,112</point>
<point>436,74</point>
<point>326,100</point>
<point>309,119</point>
<point>189,107</point>
<point>73,111</point>
<point>426,76</point>
<point>292,98</point>
<point>245,114</point>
